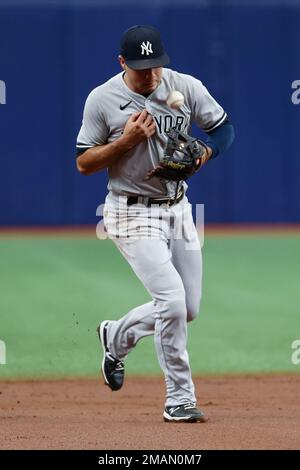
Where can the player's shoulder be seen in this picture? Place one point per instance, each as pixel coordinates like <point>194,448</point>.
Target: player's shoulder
<point>104,88</point>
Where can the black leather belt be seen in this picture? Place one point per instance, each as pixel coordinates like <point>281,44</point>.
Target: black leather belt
<point>148,201</point>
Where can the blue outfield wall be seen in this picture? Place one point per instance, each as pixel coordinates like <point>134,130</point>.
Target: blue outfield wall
<point>53,53</point>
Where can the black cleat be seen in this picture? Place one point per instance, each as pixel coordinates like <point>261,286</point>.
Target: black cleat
<point>187,413</point>
<point>112,369</point>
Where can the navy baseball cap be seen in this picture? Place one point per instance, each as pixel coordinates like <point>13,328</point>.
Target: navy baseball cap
<point>142,48</point>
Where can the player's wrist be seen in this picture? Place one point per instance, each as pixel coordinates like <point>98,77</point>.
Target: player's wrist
<point>125,142</point>
<point>209,152</point>
<point>206,156</point>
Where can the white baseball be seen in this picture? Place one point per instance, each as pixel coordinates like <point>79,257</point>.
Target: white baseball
<point>175,99</point>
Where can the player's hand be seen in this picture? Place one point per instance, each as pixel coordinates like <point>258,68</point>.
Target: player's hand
<point>205,157</point>
<point>140,126</point>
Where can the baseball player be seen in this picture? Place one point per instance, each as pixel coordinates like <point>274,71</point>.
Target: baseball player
<point>129,129</point>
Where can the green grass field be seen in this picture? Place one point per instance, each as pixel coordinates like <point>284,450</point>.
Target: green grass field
<point>55,290</point>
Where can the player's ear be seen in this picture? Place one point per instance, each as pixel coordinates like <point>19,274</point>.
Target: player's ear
<point>122,62</point>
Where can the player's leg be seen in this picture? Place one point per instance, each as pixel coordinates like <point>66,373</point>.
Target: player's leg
<point>187,259</point>
<point>151,261</point>
<point>122,221</point>
<point>189,266</point>
<point>130,336</point>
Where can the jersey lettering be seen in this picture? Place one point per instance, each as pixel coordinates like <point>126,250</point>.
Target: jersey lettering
<point>167,122</point>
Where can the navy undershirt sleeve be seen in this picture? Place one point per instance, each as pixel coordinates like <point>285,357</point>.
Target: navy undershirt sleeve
<point>221,138</point>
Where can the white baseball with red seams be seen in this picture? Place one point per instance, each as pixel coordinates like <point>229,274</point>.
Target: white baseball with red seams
<point>175,99</point>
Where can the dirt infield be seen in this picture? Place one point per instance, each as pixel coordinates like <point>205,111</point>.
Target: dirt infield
<point>249,412</point>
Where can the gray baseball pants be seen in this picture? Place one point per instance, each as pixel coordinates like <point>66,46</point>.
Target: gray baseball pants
<point>161,245</point>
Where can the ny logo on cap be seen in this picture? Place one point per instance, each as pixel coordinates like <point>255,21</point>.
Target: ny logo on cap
<point>146,48</point>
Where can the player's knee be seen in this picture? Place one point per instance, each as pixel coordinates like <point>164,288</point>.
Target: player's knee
<point>192,307</point>
<point>176,306</point>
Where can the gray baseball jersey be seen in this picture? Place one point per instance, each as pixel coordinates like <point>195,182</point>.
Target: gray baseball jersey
<point>109,106</point>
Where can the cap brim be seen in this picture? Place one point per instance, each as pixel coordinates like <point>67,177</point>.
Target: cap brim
<point>148,63</point>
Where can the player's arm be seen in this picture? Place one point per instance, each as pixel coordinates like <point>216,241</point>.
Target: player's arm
<point>102,156</point>
<point>140,126</point>
<point>219,140</point>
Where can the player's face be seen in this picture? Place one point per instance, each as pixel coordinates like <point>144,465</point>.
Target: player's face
<point>142,81</point>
